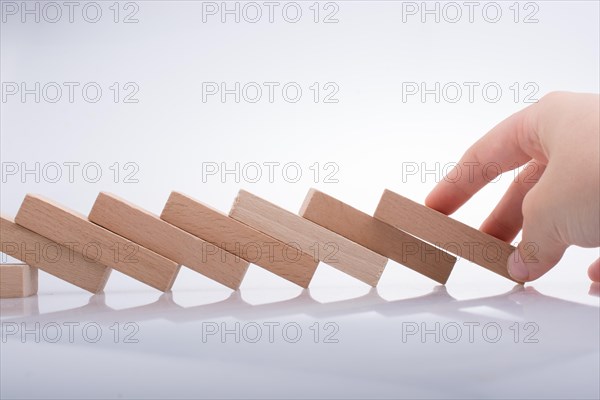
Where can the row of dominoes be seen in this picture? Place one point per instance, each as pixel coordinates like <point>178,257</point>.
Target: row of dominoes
<point>118,235</point>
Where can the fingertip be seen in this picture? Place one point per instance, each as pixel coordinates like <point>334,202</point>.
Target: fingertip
<point>594,271</point>
<point>441,199</point>
<point>501,231</point>
<point>434,201</point>
<point>517,268</point>
<point>490,228</point>
<point>531,267</point>
<point>487,226</point>
<point>431,200</point>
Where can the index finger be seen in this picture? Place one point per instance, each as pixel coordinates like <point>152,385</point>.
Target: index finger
<point>509,145</point>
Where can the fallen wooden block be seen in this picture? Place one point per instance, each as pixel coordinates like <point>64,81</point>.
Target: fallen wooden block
<point>445,232</point>
<point>221,230</point>
<point>18,280</point>
<point>375,235</point>
<point>94,242</point>
<point>148,230</point>
<point>325,245</point>
<point>51,257</point>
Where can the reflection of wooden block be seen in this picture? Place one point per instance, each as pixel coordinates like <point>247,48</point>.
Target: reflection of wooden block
<point>18,280</point>
<point>240,239</point>
<point>74,230</point>
<point>382,238</point>
<point>150,231</point>
<point>327,246</point>
<point>23,307</point>
<point>445,232</point>
<point>51,257</point>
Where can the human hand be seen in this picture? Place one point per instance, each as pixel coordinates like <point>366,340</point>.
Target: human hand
<point>555,199</point>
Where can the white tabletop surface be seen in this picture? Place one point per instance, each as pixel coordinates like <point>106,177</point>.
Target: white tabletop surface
<point>371,137</point>
<point>396,341</point>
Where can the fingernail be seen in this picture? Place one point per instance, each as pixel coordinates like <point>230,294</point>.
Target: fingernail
<point>517,269</point>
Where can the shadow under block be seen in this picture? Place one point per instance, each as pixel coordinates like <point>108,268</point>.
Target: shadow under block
<point>375,235</point>
<point>148,230</point>
<point>445,232</point>
<point>74,230</point>
<point>325,245</point>
<point>240,239</point>
<point>18,280</point>
<point>53,258</point>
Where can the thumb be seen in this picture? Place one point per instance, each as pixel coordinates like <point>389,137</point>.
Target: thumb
<point>594,271</point>
<point>541,246</point>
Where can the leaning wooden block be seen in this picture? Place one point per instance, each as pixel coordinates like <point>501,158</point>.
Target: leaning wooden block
<point>18,280</point>
<point>94,242</point>
<point>148,230</point>
<point>375,235</point>
<point>53,258</point>
<point>280,258</point>
<point>445,232</point>
<point>327,246</point>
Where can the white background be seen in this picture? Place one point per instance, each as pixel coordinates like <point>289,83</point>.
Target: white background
<point>371,134</point>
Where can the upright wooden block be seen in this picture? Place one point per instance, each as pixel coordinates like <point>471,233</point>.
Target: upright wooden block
<point>18,280</point>
<point>375,235</point>
<point>148,230</point>
<point>327,246</point>
<point>51,257</point>
<point>445,232</point>
<point>221,230</point>
<point>74,230</point>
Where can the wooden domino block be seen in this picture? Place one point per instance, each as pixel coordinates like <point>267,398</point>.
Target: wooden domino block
<point>327,246</point>
<point>18,280</point>
<point>73,230</point>
<point>53,258</point>
<point>375,235</point>
<point>221,230</point>
<point>445,232</point>
<point>148,230</point>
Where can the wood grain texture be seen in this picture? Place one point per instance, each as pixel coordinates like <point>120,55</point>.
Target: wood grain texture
<point>72,229</point>
<point>221,230</point>
<point>445,232</point>
<point>148,230</point>
<point>18,280</point>
<point>325,245</point>
<point>375,235</point>
<point>51,257</point>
